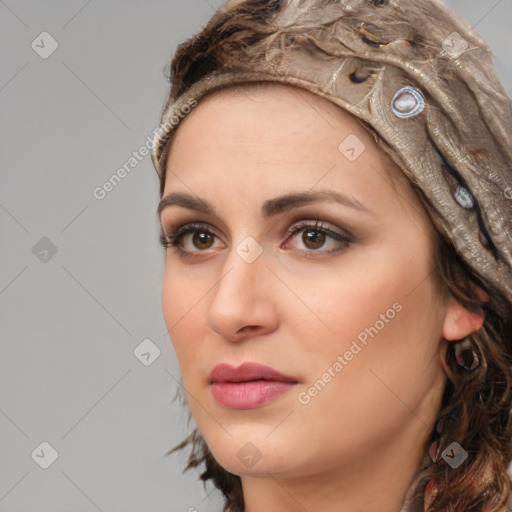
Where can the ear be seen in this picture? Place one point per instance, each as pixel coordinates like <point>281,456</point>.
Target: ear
<point>459,322</point>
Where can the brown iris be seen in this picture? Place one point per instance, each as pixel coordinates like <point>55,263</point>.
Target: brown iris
<point>202,238</point>
<point>317,238</point>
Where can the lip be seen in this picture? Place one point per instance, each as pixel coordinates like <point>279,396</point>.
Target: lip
<point>224,372</point>
<point>248,386</point>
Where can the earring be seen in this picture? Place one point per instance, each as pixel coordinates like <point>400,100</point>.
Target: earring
<point>465,355</point>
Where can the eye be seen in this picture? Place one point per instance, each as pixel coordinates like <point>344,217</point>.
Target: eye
<point>315,236</point>
<point>202,238</point>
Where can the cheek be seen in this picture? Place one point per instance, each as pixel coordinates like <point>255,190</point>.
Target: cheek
<point>182,293</point>
<point>181,308</point>
<point>172,289</point>
<point>384,316</point>
<point>391,380</point>
<point>350,297</point>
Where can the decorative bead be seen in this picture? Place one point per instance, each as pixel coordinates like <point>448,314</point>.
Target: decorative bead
<point>360,75</point>
<point>408,102</point>
<point>370,42</point>
<point>484,240</point>
<point>463,197</point>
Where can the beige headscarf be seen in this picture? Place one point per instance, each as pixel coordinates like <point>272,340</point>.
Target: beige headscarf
<point>415,73</point>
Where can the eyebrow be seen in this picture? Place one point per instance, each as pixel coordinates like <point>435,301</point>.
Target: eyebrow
<point>270,207</point>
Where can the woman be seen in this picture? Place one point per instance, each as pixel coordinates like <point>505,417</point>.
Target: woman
<point>335,182</point>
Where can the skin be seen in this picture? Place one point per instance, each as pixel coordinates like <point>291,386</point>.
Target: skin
<point>358,443</point>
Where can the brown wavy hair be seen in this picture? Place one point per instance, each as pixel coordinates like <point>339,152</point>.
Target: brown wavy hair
<point>476,404</point>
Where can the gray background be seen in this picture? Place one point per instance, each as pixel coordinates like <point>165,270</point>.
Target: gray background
<point>69,324</point>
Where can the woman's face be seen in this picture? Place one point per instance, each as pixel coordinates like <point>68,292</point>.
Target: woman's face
<point>348,309</point>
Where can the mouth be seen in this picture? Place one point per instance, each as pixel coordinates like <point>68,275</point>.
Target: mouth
<point>244,380</point>
<point>247,372</point>
<point>249,386</point>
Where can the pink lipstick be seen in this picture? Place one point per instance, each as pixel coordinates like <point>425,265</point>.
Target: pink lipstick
<point>248,386</point>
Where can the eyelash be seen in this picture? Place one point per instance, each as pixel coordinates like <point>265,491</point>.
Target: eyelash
<point>174,239</point>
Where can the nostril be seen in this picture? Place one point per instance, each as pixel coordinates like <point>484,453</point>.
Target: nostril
<point>248,328</point>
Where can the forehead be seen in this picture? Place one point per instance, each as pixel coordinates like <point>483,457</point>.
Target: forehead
<point>274,117</point>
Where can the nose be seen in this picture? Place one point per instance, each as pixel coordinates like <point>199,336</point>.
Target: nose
<point>242,302</point>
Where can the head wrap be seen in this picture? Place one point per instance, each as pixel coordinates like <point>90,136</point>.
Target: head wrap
<point>411,70</point>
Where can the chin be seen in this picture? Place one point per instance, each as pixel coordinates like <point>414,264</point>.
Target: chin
<point>260,469</point>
